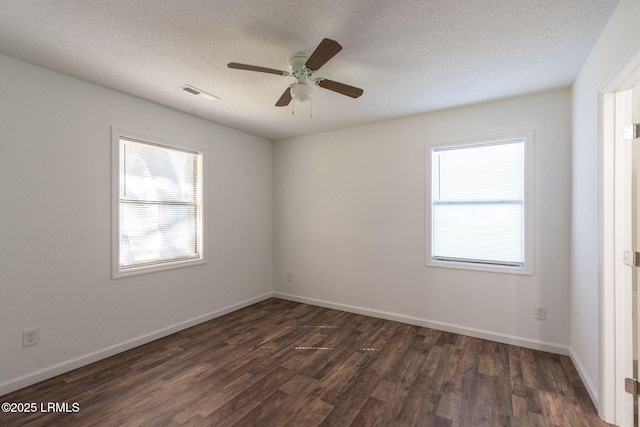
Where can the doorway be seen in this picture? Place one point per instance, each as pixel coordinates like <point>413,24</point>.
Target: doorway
<point>619,233</point>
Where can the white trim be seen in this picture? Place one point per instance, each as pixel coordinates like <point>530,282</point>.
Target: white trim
<point>116,135</point>
<point>441,326</point>
<point>623,274</point>
<point>605,399</point>
<point>614,406</point>
<point>620,79</point>
<point>77,362</point>
<point>480,267</point>
<point>528,136</point>
<point>591,389</point>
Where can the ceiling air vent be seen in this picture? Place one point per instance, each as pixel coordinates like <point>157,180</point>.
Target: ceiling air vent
<point>196,91</point>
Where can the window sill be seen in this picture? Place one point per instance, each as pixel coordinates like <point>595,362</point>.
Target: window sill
<point>144,269</point>
<point>522,271</point>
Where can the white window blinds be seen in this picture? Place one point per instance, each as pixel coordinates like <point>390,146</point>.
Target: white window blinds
<point>478,203</point>
<point>158,204</point>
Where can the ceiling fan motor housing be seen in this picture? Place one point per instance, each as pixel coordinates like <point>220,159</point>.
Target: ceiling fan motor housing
<point>300,91</point>
<point>297,61</point>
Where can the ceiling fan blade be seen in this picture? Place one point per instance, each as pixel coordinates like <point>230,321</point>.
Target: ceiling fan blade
<point>342,88</point>
<point>248,67</point>
<point>285,99</point>
<point>326,50</point>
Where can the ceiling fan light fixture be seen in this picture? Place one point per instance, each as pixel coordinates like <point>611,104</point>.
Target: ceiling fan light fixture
<point>301,92</point>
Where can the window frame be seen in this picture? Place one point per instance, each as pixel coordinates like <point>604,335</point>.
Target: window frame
<point>118,271</point>
<point>529,206</point>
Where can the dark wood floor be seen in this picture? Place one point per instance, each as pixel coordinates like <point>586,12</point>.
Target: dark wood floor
<point>280,363</point>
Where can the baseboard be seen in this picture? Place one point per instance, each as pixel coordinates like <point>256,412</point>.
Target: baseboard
<point>586,380</point>
<point>69,365</point>
<point>441,326</point>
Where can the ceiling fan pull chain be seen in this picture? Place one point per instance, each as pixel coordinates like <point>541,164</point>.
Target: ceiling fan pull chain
<point>293,108</point>
<point>311,108</point>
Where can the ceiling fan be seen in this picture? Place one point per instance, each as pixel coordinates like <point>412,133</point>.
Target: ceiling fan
<point>302,68</point>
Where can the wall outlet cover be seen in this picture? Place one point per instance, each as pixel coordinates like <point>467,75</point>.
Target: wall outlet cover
<point>541,312</point>
<point>30,337</point>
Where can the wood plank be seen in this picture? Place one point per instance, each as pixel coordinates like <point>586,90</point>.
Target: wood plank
<point>352,398</point>
<point>374,413</point>
<point>503,405</point>
<point>529,369</point>
<point>482,414</point>
<point>309,411</point>
<point>241,405</point>
<point>420,404</point>
<point>515,370</point>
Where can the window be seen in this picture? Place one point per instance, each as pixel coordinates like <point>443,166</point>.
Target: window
<point>479,206</point>
<point>158,209</point>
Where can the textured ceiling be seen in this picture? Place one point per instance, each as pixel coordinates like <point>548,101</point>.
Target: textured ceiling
<point>410,57</point>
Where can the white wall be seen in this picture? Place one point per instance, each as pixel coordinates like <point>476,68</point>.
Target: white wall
<point>620,36</point>
<point>350,224</point>
<point>55,219</point>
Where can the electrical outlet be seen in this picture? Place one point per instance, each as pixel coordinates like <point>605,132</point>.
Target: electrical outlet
<point>30,337</point>
<point>541,312</point>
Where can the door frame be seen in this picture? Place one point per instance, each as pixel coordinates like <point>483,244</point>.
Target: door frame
<point>615,317</point>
